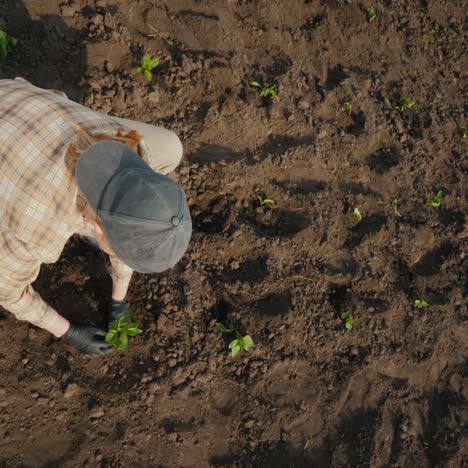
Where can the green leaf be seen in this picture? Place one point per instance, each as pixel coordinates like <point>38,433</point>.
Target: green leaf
<point>110,336</point>
<point>349,325</point>
<point>357,215</point>
<point>235,348</point>
<point>436,200</point>
<point>154,62</point>
<point>124,341</point>
<point>256,83</point>
<point>248,342</point>
<point>148,74</point>
<point>222,328</point>
<point>139,70</point>
<point>344,315</point>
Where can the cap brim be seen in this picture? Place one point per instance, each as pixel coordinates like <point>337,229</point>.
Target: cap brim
<point>99,164</point>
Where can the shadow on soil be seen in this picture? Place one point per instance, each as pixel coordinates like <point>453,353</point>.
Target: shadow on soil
<point>48,54</point>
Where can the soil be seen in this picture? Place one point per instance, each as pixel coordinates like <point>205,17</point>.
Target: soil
<point>390,392</point>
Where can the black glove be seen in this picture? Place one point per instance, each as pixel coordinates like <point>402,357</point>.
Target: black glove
<point>88,339</point>
<point>117,310</point>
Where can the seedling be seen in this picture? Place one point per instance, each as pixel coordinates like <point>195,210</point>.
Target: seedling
<point>406,103</point>
<point>421,304</point>
<point>266,91</point>
<point>371,14</point>
<point>436,200</point>
<point>349,320</point>
<point>120,331</point>
<point>464,130</point>
<point>264,201</point>
<point>347,107</point>
<point>7,44</point>
<point>432,36</point>
<point>240,343</point>
<point>357,215</point>
<point>397,203</point>
<point>148,64</point>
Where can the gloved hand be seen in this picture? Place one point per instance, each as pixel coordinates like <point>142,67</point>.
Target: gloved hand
<point>88,339</point>
<point>117,310</point>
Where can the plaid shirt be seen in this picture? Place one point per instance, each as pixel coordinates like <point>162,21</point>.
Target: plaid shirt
<point>39,201</point>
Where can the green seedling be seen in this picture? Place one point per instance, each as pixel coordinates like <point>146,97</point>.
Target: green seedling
<point>120,331</point>
<point>464,130</point>
<point>7,44</point>
<point>266,91</point>
<point>432,36</point>
<point>397,203</point>
<point>347,107</point>
<point>148,64</point>
<point>240,343</point>
<point>371,14</point>
<point>349,320</point>
<point>357,215</point>
<point>436,200</point>
<point>406,103</point>
<point>421,304</point>
<point>264,201</point>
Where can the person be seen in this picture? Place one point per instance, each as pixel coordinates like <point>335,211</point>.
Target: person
<point>66,169</point>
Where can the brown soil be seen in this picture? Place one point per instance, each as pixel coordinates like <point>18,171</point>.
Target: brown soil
<point>390,392</point>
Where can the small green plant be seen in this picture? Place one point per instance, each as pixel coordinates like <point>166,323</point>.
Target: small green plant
<point>266,91</point>
<point>371,14</point>
<point>397,203</point>
<point>432,36</point>
<point>349,320</point>
<point>357,215</point>
<point>148,64</point>
<point>421,304</point>
<point>264,201</point>
<point>347,108</point>
<point>120,331</point>
<point>464,130</point>
<point>7,44</point>
<point>406,103</point>
<point>436,200</point>
<point>240,343</point>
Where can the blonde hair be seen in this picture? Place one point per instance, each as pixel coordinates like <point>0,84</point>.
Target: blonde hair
<point>85,139</point>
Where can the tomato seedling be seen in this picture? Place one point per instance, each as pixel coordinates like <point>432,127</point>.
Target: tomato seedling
<point>371,14</point>
<point>347,108</point>
<point>397,203</point>
<point>357,215</point>
<point>421,304</point>
<point>240,343</point>
<point>266,91</point>
<point>436,200</point>
<point>432,36</point>
<point>7,44</point>
<point>464,130</point>
<point>264,201</point>
<point>349,320</point>
<point>120,331</point>
<point>148,64</point>
<point>406,103</point>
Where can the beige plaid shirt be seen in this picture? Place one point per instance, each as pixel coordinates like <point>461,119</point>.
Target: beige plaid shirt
<point>39,200</point>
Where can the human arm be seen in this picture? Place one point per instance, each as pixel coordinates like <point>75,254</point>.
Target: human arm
<point>121,275</point>
<point>18,269</point>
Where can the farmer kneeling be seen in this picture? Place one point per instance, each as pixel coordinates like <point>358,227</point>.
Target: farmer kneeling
<point>66,169</point>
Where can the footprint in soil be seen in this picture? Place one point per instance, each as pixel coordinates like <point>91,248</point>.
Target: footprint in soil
<point>215,218</point>
<point>369,225</point>
<point>274,304</point>
<point>303,186</point>
<point>276,222</point>
<point>383,160</point>
<point>431,262</point>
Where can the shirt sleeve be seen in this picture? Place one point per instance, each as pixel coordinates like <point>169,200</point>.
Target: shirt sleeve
<point>120,272</point>
<point>18,269</point>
